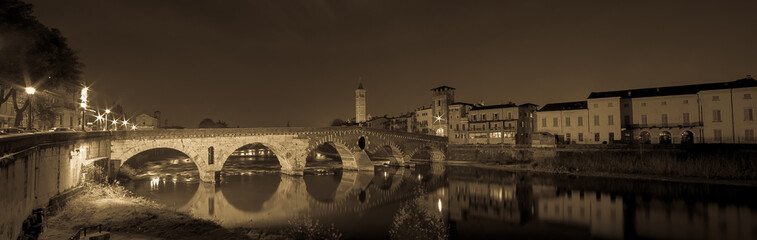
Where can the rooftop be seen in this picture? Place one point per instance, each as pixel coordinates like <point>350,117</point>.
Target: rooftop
<point>508,105</point>
<point>564,106</point>
<point>675,90</point>
<point>443,87</point>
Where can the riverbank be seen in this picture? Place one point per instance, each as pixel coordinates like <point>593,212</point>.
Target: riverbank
<point>718,164</point>
<point>129,217</point>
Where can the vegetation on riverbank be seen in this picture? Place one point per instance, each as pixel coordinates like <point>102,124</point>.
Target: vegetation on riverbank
<point>710,164</point>
<point>116,209</point>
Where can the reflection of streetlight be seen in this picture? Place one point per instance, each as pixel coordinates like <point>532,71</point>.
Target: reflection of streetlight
<point>30,91</point>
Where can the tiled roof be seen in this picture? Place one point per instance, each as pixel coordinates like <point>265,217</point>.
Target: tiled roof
<point>564,106</point>
<point>675,90</point>
<point>443,87</point>
<point>509,105</point>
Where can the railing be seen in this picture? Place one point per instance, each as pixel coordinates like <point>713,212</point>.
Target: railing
<point>83,232</point>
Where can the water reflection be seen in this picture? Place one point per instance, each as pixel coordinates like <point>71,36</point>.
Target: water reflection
<point>469,202</point>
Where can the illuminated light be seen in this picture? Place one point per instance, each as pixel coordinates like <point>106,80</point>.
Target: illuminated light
<point>439,204</point>
<point>133,127</point>
<point>107,111</point>
<point>419,177</point>
<point>83,105</point>
<point>99,117</point>
<point>126,122</point>
<point>30,90</point>
<point>154,183</point>
<point>384,174</point>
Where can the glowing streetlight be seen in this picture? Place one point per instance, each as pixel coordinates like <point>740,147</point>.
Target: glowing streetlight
<point>99,118</point>
<point>83,104</point>
<point>115,124</point>
<point>125,122</point>
<point>133,127</point>
<point>30,91</point>
<point>105,122</point>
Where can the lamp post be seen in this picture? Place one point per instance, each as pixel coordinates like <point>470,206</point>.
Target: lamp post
<point>105,123</point>
<point>83,107</point>
<point>30,91</point>
<point>115,124</point>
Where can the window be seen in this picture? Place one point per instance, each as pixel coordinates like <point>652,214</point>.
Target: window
<point>567,121</point>
<point>716,115</point>
<point>580,121</point>
<point>580,137</point>
<point>567,137</point>
<point>596,105</point>
<point>496,116</point>
<point>438,102</point>
<point>596,120</point>
<point>685,101</point>
<point>610,120</point>
<point>609,104</point>
<point>627,119</point>
<point>612,136</point>
<point>496,135</point>
<point>643,104</point>
<point>747,96</point>
<point>715,98</point>
<point>554,122</point>
<point>643,119</point>
<point>718,135</point>
<point>664,103</point>
<point>664,118</point>
<point>544,122</point>
<point>625,105</point>
<point>749,134</point>
<point>686,118</point>
<point>596,137</point>
<point>474,117</point>
<point>483,117</point>
<point>509,115</point>
<point>457,127</point>
<point>748,115</point>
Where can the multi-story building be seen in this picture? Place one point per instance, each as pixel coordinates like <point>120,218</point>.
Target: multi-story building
<point>458,121</point>
<point>145,122</point>
<point>423,120</point>
<point>500,124</point>
<point>52,108</point>
<point>700,113</point>
<point>568,121</point>
<point>403,123</point>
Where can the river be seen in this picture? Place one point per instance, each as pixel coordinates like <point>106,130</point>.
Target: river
<point>472,203</point>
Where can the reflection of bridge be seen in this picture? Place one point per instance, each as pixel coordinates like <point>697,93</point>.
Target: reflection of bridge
<point>210,148</point>
<point>357,191</point>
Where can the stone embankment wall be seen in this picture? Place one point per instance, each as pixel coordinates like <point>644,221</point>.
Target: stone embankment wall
<point>708,161</point>
<point>36,167</point>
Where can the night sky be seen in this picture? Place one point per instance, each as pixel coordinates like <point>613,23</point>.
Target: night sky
<point>263,63</point>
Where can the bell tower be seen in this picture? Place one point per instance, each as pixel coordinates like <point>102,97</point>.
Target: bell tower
<point>360,115</point>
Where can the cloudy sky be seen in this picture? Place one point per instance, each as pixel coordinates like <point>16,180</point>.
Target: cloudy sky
<point>263,63</point>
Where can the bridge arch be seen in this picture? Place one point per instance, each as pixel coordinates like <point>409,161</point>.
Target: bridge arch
<point>346,153</point>
<point>390,150</point>
<point>225,152</point>
<point>434,153</point>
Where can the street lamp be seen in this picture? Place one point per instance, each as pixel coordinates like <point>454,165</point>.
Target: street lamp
<point>105,123</point>
<point>30,91</point>
<point>83,104</point>
<point>115,124</point>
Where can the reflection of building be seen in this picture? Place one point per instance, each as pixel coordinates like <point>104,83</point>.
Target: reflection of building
<point>701,113</point>
<point>679,220</point>
<point>602,213</point>
<point>470,200</point>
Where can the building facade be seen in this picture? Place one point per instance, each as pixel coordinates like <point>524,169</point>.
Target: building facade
<point>442,97</point>
<point>701,113</point>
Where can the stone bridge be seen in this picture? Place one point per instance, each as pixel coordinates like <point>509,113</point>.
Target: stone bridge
<point>210,148</point>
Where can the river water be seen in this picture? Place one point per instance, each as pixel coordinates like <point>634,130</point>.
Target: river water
<point>471,203</point>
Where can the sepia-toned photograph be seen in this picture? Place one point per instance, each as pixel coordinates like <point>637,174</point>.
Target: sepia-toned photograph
<point>378,119</point>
